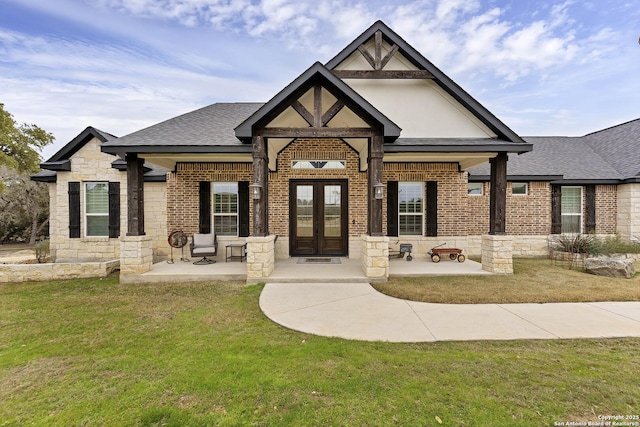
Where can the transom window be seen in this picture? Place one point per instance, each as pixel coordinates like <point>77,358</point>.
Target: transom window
<point>319,164</point>
<point>571,210</point>
<point>519,188</point>
<point>96,202</point>
<point>410,208</point>
<point>225,208</point>
<point>475,189</point>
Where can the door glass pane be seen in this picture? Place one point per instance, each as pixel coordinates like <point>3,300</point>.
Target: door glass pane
<point>332,198</point>
<point>304,213</point>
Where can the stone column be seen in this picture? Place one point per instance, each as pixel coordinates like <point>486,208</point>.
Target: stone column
<point>261,257</point>
<point>375,257</point>
<point>136,254</point>
<point>497,254</point>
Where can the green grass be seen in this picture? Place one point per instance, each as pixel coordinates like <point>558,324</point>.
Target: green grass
<point>535,280</point>
<point>94,352</point>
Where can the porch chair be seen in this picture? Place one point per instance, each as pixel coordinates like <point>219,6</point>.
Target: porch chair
<point>204,245</point>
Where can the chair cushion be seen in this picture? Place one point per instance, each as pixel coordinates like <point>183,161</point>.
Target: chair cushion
<point>203,240</point>
<point>205,250</point>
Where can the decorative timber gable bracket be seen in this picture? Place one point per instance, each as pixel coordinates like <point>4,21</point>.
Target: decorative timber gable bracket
<point>379,62</point>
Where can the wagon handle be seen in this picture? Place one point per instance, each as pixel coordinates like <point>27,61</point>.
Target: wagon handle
<point>435,247</point>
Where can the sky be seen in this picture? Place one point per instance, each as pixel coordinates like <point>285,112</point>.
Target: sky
<point>567,67</point>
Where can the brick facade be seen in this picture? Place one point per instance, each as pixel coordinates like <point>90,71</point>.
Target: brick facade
<point>452,192</point>
<point>606,209</point>
<point>321,149</point>
<point>183,188</point>
<point>460,216</point>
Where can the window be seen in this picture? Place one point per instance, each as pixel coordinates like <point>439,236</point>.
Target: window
<point>571,210</point>
<point>519,188</point>
<point>225,208</point>
<point>96,209</point>
<point>319,164</point>
<point>410,208</point>
<point>475,189</point>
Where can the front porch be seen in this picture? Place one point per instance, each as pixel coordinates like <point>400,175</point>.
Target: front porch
<point>291,271</point>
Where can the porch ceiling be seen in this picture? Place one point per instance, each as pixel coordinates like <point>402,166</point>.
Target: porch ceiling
<point>169,160</point>
<point>466,160</point>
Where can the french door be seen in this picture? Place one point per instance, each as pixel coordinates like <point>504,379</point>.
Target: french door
<point>318,215</point>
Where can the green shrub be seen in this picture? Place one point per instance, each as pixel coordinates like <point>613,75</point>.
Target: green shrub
<point>577,244</point>
<point>42,250</point>
<point>616,245</point>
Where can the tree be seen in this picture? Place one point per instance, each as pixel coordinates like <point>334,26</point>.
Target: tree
<point>24,207</point>
<point>20,144</point>
<point>24,204</point>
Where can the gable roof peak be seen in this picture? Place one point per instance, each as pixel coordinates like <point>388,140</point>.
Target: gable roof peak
<point>78,142</point>
<point>436,75</point>
<point>316,74</point>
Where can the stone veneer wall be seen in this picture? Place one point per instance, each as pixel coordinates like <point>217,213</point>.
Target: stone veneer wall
<point>17,273</point>
<point>89,164</point>
<point>628,213</point>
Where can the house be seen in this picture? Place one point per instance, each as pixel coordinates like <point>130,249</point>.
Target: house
<point>374,147</point>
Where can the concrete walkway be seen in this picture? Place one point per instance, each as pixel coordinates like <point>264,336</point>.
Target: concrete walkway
<point>357,311</point>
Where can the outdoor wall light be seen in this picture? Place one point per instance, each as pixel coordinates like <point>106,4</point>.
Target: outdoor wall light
<point>378,190</point>
<point>256,191</point>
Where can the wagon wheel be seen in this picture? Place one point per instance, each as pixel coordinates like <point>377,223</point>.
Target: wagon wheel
<point>409,257</point>
<point>452,256</point>
<point>435,258</point>
<point>461,258</point>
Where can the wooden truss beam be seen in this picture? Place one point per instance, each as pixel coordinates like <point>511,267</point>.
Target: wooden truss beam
<point>315,132</point>
<point>378,62</point>
<point>383,74</point>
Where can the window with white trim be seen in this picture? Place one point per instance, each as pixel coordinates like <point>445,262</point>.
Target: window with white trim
<point>410,208</point>
<point>475,189</point>
<point>519,188</point>
<point>96,209</point>
<point>571,210</point>
<point>225,208</point>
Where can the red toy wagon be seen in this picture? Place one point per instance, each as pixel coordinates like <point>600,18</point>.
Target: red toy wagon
<point>438,252</point>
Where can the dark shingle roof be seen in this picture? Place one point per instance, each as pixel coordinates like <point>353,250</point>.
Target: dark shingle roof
<point>569,157</point>
<point>619,146</point>
<point>207,127</point>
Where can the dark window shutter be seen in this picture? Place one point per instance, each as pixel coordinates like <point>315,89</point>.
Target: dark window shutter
<point>243,208</point>
<point>590,208</point>
<point>432,208</point>
<point>392,208</point>
<point>74,210</point>
<point>205,207</point>
<point>114,210</point>
<point>556,209</point>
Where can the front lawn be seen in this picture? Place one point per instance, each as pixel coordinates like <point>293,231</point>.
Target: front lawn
<point>534,280</point>
<point>94,352</point>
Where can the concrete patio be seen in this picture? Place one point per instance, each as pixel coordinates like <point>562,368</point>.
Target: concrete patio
<point>289,270</point>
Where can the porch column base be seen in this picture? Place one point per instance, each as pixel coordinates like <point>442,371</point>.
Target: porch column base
<point>261,257</point>
<point>497,254</point>
<point>375,257</point>
<point>136,254</point>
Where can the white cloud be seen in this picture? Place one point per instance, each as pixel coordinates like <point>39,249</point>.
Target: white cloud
<point>158,59</point>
